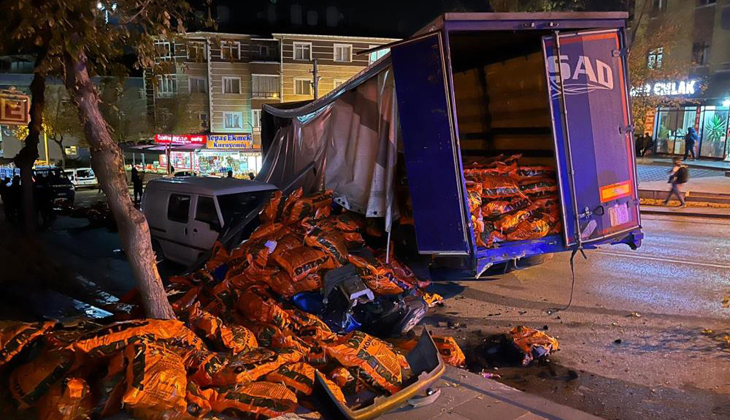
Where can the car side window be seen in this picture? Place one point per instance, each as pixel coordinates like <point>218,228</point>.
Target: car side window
<point>205,211</point>
<point>178,207</point>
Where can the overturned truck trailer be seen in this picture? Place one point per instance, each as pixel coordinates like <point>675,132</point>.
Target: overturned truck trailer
<point>466,89</point>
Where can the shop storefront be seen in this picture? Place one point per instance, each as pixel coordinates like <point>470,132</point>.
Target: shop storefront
<point>708,112</point>
<point>204,155</point>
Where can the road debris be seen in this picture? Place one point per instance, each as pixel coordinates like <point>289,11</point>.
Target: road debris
<point>634,315</point>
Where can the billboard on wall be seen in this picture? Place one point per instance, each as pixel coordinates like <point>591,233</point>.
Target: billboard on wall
<point>229,141</point>
<point>14,108</point>
<point>181,139</point>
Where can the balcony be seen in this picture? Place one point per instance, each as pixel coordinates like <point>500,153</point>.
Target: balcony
<point>263,50</point>
<point>265,94</point>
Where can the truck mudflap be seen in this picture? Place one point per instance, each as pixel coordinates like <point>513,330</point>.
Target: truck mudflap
<point>427,366</point>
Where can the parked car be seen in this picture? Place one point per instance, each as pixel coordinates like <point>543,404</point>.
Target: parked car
<point>186,214</point>
<point>61,186</point>
<point>82,177</point>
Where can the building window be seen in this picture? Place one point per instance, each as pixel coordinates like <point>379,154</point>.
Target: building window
<point>165,50</point>
<point>655,58</point>
<point>303,87</point>
<point>197,51</point>
<point>230,50</point>
<point>339,82</point>
<point>343,53</point>
<point>303,51</point>
<point>375,55</point>
<point>256,119</point>
<point>233,120</point>
<point>72,151</point>
<point>166,85</point>
<point>232,85</point>
<point>198,85</point>
<point>705,2</point>
<point>700,53</point>
<point>264,86</point>
<point>203,118</point>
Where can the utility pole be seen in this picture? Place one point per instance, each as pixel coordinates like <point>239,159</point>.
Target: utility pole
<point>315,79</point>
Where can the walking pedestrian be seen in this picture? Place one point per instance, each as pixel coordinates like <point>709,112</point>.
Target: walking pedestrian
<point>230,174</point>
<point>4,194</point>
<point>251,176</point>
<point>690,139</point>
<point>638,145</point>
<point>137,183</point>
<point>678,176</point>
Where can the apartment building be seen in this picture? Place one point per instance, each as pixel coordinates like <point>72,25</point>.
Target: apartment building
<point>215,85</point>
<point>338,59</point>
<point>700,48</point>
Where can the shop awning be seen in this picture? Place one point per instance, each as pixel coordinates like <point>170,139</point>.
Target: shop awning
<point>158,148</point>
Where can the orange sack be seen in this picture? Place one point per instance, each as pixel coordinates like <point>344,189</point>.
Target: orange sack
<point>235,339</point>
<point>108,340</point>
<point>302,208</point>
<point>254,364</point>
<point>69,399</point>
<point>344,379</point>
<point>531,341</point>
<point>375,362</point>
<point>30,381</point>
<point>302,261</point>
<point>156,382</point>
<point>112,387</point>
<point>283,285</point>
<point>15,336</point>
<point>257,305</point>
<point>203,365</point>
<point>331,242</point>
<point>497,186</point>
<point>218,257</point>
<point>299,377</point>
<point>379,277</point>
<point>256,399</point>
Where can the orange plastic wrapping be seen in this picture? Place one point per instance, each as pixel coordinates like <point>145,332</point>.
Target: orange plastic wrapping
<point>252,365</point>
<point>203,365</point>
<point>450,351</point>
<point>302,208</point>
<point>530,229</point>
<point>251,255</point>
<point>30,381</point>
<point>274,209</point>
<point>235,339</point>
<point>432,299</point>
<point>283,285</point>
<point>257,305</point>
<point>15,336</point>
<point>108,340</point>
<point>331,242</point>
<point>344,379</point>
<point>302,261</point>
<point>112,387</point>
<point>256,399</point>
<point>218,257</point>
<point>495,186</point>
<point>378,277</point>
<point>156,382</point>
<point>299,377</point>
<point>273,337</point>
<point>527,339</point>
<point>69,399</point>
<point>286,243</point>
<point>377,364</point>
<point>200,400</point>
<point>524,173</point>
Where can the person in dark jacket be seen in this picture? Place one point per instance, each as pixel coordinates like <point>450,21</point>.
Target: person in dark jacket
<point>648,144</point>
<point>678,176</point>
<point>137,181</point>
<point>690,139</point>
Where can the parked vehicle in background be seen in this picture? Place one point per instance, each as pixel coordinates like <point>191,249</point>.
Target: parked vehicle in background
<point>186,214</point>
<point>82,177</point>
<point>61,186</point>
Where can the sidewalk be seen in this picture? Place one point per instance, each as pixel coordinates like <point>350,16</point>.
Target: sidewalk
<point>710,212</point>
<point>700,163</point>
<point>465,395</point>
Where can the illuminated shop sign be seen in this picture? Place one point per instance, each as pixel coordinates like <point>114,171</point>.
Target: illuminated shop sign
<point>684,87</point>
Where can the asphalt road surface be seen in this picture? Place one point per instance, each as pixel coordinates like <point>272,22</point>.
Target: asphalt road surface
<point>664,367</point>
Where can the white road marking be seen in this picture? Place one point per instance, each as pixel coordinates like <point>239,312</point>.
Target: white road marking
<point>660,259</point>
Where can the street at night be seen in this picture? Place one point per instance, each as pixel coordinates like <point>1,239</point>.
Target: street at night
<point>310,210</point>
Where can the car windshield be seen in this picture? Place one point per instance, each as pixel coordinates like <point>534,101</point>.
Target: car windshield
<point>235,205</point>
<point>85,173</point>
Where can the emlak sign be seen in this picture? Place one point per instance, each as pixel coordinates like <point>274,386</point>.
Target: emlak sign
<point>676,88</point>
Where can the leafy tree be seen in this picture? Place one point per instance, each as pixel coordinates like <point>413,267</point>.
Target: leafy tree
<point>124,110</point>
<point>75,40</point>
<point>654,57</point>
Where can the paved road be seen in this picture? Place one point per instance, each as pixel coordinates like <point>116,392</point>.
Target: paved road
<point>665,367</point>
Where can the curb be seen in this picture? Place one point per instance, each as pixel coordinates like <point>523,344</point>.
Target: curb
<point>690,165</point>
<point>689,213</point>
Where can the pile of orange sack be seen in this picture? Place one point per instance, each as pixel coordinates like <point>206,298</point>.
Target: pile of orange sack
<point>238,347</point>
<point>512,202</point>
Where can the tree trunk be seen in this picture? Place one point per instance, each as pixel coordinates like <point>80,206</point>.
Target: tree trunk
<point>107,162</point>
<point>29,153</point>
<point>64,156</point>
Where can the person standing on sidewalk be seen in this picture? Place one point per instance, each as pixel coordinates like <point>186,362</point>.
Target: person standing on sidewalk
<point>690,139</point>
<point>678,176</point>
